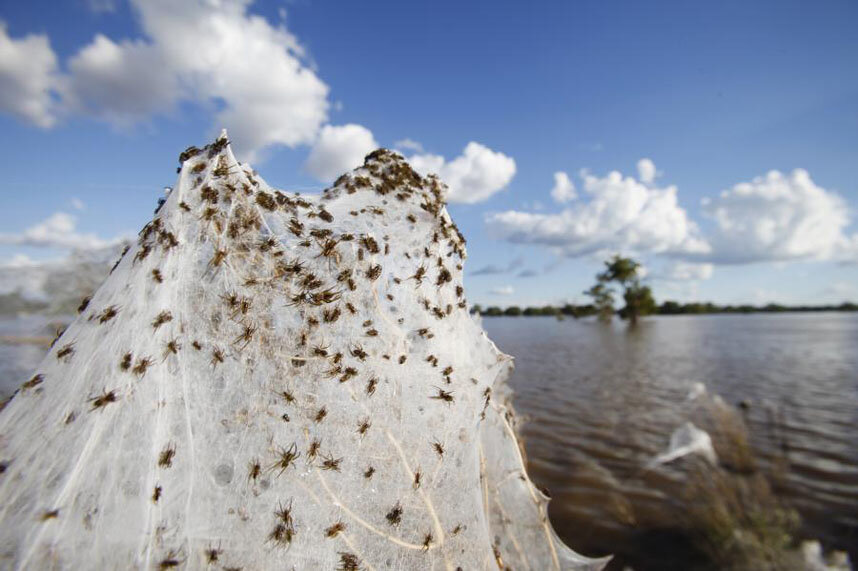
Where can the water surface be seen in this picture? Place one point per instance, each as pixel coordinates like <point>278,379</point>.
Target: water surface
<point>600,401</point>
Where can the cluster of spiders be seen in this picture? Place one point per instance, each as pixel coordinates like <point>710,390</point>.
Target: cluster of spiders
<point>318,279</point>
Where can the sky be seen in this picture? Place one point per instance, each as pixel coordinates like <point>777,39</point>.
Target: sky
<point>716,142</point>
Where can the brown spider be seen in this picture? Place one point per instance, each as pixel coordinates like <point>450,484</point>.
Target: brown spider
<point>330,463</point>
<point>103,400</point>
<point>246,336</point>
<point>36,380</point>
<point>108,314</point>
<point>370,386</point>
<point>254,468</point>
<point>162,318</point>
<point>218,258</point>
<point>373,272</point>
<point>443,395</point>
<point>348,562</point>
<point>172,346</point>
<point>165,459</point>
<point>358,352</point>
<point>141,366</point>
<point>313,450</point>
<point>320,415</point>
<point>213,554</point>
<point>286,456</point>
<point>335,529</point>
<point>419,275</point>
<point>282,535</point>
<point>364,426</point>
<point>394,516</point>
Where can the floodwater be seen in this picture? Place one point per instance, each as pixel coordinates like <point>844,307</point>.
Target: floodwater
<point>23,343</point>
<point>599,402</point>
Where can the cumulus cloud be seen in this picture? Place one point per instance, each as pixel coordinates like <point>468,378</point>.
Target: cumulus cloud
<point>620,214</point>
<point>646,170</point>
<point>339,149</point>
<point>564,189</point>
<point>121,83</point>
<point>686,271</point>
<point>408,145</point>
<point>473,176</point>
<point>19,261</point>
<point>503,290</point>
<point>779,217</point>
<point>255,76</point>
<point>59,230</point>
<point>28,78</point>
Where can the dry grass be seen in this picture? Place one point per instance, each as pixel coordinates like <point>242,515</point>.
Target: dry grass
<point>731,511</point>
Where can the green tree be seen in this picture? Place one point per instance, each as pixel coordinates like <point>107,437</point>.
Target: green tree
<point>603,300</point>
<point>638,297</point>
<point>639,301</point>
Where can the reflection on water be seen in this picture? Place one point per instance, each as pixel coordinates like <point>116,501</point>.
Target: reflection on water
<point>601,401</point>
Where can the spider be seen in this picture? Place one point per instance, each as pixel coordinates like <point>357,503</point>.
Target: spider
<point>330,463</point>
<point>335,529</point>
<point>103,400</point>
<point>165,459</point>
<point>286,456</point>
<point>443,395</point>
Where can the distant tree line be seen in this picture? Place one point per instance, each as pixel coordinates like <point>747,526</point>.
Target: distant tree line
<point>639,300</point>
<point>666,308</point>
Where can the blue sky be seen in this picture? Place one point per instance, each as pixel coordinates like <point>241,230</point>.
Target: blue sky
<point>714,95</point>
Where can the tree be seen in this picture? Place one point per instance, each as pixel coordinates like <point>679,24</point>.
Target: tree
<point>603,300</point>
<point>639,301</point>
<point>638,298</point>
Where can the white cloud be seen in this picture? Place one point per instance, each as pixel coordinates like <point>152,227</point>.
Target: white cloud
<point>253,75</point>
<point>121,83</point>
<point>779,217</point>
<point>503,290</point>
<point>489,270</point>
<point>100,6</point>
<point>28,78</point>
<point>408,145</point>
<point>564,189</point>
<point>78,204</point>
<point>473,176</point>
<point>646,171</point>
<point>622,214</point>
<point>19,261</point>
<point>685,271</point>
<point>338,150</point>
<point>59,230</point>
